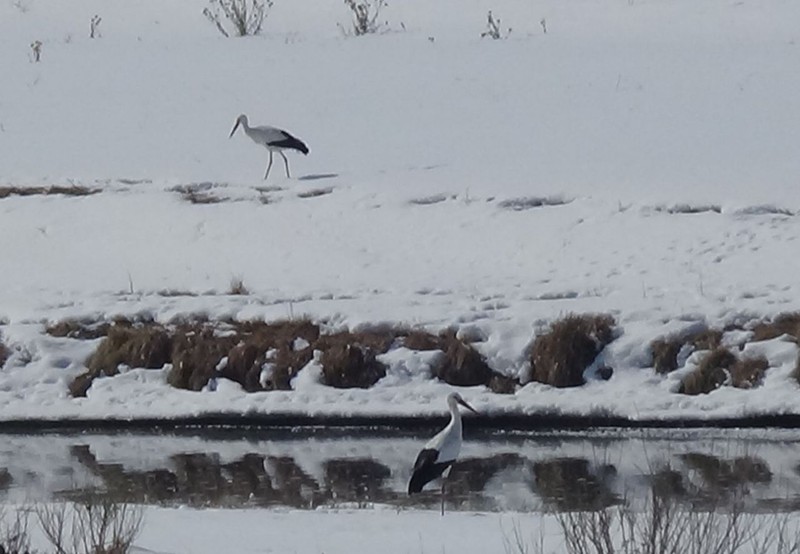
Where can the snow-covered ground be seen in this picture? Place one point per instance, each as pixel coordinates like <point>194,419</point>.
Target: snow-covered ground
<point>429,147</point>
<point>183,531</point>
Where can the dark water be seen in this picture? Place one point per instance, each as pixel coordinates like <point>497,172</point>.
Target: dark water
<point>561,471</point>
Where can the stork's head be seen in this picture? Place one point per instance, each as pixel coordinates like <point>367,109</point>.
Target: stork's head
<point>454,399</point>
<point>241,120</point>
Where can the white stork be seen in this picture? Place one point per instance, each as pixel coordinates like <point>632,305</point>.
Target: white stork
<point>438,455</point>
<point>273,139</point>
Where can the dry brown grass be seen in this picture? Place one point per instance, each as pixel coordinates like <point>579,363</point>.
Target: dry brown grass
<point>286,345</point>
<point>710,374</point>
<point>196,352</point>
<point>72,190</point>
<point>421,340</point>
<point>720,366</point>
<point>78,329</point>
<point>665,350</point>
<point>748,373</point>
<point>665,354</point>
<point>560,357</point>
<point>350,365</point>
<point>784,324</point>
<point>146,346</point>
<point>462,364</point>
<point>196,348</point>
<point>706,340</point>
<point>238,288</point>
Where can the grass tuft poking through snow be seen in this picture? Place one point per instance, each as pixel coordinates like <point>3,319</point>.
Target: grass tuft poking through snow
<point>560,356</point>
<point>783,324</point>
<point>667,350</point>
<point>267,356</point>
<point>722,367</point>
<point>74,190</point>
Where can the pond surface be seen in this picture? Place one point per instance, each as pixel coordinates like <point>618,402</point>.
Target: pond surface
<point>313,468</point>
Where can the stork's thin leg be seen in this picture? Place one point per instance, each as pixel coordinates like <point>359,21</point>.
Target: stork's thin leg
<point>443,497</point>
<point>269,166</point>
<point>285,163</point>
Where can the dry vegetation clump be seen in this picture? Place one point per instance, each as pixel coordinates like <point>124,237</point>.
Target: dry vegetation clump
<point>421,340</point>
<point>78,329</point>
<point>665,354</point>
<point>365,16</point>
<point>462,365</point>
<point>783,324</point>
<point>91,525</point>
<point>560,357</point>
<point>665,350</point>
<point>146,346</point>
<point>237,17</point>
<point>720,367</point>
<point>283,346</point>
<point>15,537</point>
<point>748,373</point>
<point>196,349</point>
<point>4,354</point>
<point>711,373</point>
<point>267,356</point>
<point>348,365</point>
<point>349,357</point>
<point>196,352</point>
<point>72,190</point>
<point>238,287</point>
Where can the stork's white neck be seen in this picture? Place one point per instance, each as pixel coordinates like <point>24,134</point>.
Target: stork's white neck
<point>455,415</point>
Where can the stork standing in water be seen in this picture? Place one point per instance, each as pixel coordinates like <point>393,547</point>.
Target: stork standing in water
<point>273,139</point>
<point>437,457</point>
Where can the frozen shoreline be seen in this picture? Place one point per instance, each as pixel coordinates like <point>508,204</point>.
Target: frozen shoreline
<point>367,424</point>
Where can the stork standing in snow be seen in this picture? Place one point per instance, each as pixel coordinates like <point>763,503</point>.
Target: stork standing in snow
<point>437,457</point>
<point>273,139</point>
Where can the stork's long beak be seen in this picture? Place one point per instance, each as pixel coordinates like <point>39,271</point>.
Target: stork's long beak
<point>467,406</point>
<point>236,126</point>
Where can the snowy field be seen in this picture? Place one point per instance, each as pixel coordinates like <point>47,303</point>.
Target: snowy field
<point>660,135</point>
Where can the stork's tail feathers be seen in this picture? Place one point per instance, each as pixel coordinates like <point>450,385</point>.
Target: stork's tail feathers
<point>294,143</point>
<point>416,484</point>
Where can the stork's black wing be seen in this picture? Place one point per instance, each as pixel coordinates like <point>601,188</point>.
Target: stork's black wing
<point>290,142</point>
<point>426,469</point>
